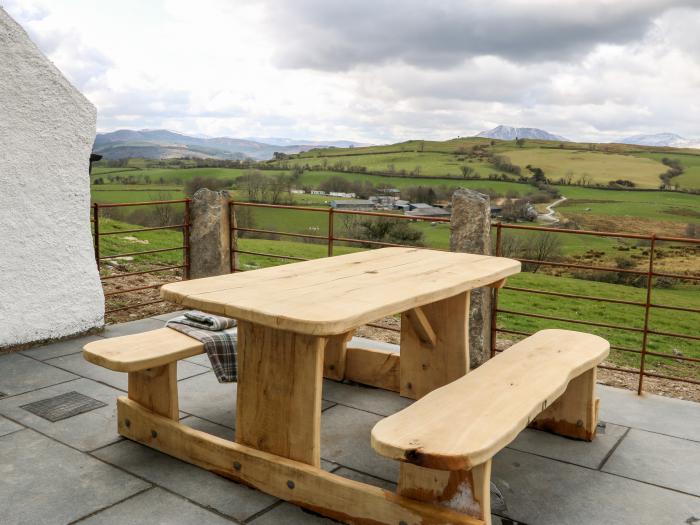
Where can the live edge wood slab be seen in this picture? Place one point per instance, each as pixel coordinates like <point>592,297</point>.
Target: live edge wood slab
<point>334,295</point>
<point>294,324</point>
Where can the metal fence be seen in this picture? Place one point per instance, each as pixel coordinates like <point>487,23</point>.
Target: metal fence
<point>112,278</point>
<point>331,239</point>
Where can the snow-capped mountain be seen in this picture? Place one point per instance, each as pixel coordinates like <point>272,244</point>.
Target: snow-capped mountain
<point>511,133</point>
<point>662,139</point>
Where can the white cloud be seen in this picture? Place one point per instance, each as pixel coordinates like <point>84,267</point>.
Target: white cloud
<point>378,71</point>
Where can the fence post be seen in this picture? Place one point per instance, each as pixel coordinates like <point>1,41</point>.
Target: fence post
<point>186,240</point>
<point>96,223</point>
<point>470,231</point>
<point>647,308</point>
<point>494,295</point>
<point>330,231</point>
<point>209,234</point>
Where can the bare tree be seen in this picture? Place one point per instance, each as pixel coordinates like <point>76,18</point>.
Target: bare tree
<point>545,246</point>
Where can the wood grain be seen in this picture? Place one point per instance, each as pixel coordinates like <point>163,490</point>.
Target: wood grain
<point>425,366</point>
<point>373,367</point>
<point>467,422</point>
<point>335,356</point>
<point>334,295</point>
<point>333,496</point>
<point>278,405</point>
<point>466,491</point>
<point>130,353</point>
<point>156,389</point>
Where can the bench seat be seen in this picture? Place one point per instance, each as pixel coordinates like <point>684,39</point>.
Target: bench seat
<point>133,353</point>
<point>448,437</point>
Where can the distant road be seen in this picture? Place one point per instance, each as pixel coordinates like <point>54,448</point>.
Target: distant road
<point>550,216</point>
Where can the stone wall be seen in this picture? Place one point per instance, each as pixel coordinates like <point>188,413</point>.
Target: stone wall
<point>49,283</point>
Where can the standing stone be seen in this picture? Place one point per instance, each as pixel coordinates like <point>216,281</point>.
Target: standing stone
<point>210,234</point>
<point>470,227</point>
<point>49,284</point>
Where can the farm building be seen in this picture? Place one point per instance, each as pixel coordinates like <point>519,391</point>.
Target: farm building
<point>354,204</point>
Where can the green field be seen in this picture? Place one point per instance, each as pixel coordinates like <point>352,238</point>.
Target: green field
<point>599,167</point>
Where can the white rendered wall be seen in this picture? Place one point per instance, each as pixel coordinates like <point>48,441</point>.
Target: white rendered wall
<point>49,284</point>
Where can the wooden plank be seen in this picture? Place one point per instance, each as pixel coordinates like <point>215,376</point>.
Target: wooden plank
<point>334,295</point>
<point>130,353</point>
<point>278,404</point>
<point>465,491</point>
<point>468,421</point>
<point>156,389</point>
<point>421,326</point>
<point>334,356</point>
<point>498,284</point>
<point>373,367</point>
<point>425,367</point>
<point>575,413</point>
<point>338,498</point>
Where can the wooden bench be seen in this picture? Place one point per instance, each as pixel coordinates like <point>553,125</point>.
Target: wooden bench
<point>445,440</point>
<point>150,359</point>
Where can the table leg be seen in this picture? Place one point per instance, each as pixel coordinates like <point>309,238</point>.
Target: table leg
<point>278,407</point>
<point>434,345</point>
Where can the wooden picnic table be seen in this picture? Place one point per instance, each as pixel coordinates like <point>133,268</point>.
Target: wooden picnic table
<point>294,322</point>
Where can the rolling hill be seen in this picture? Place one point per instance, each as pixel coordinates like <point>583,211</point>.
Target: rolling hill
<point>164,144</point>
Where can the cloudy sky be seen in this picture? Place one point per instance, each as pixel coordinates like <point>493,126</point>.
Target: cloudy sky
<point>378,70</point>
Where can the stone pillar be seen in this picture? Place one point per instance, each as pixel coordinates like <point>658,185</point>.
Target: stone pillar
<point>470,232</point>
<point>210,234</point>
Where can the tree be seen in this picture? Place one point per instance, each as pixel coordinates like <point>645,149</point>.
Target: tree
<point>520,142</point>
<point>537,174</point>
<point>546,246</point>
<point>467,171</point>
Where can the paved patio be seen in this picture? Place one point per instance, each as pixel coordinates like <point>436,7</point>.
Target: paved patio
<point>643,468</point>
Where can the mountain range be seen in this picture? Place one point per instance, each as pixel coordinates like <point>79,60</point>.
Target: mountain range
<point>511,133</point>
<point>662,139</point>
<point>164,144</point>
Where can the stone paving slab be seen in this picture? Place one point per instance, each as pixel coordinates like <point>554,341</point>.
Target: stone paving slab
<point>201,360</point>
<point>86,431</point>
<point>541,491</point>
<point>69,346</point>
<point>374,400</point>
<point>132,327</point>
<point>155,506</point>
<point>673,417</point>
<point>76,364</point>
<point>198,485</point>
<point>582,453</point>
<point>44,482</point>
<point>345,439</point>
<point>203,396</point>
<point>658,459</point>
<point>23,374</point>
<point>7,426</point>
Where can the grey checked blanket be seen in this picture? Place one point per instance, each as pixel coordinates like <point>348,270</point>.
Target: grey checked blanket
<point>219,336</point>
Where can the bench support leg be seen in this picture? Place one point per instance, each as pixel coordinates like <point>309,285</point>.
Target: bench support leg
<point>310,487</point>
<point>156,389</point>
<point>335,355</point>
<point>278,405</point>
<point>575,413</point>
<point>425,365</point>
<point>465,491</point>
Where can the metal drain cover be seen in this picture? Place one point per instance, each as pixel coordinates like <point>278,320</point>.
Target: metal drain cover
<point>63,406</point>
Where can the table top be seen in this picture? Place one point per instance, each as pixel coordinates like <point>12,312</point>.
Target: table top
<point>334,295</point>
